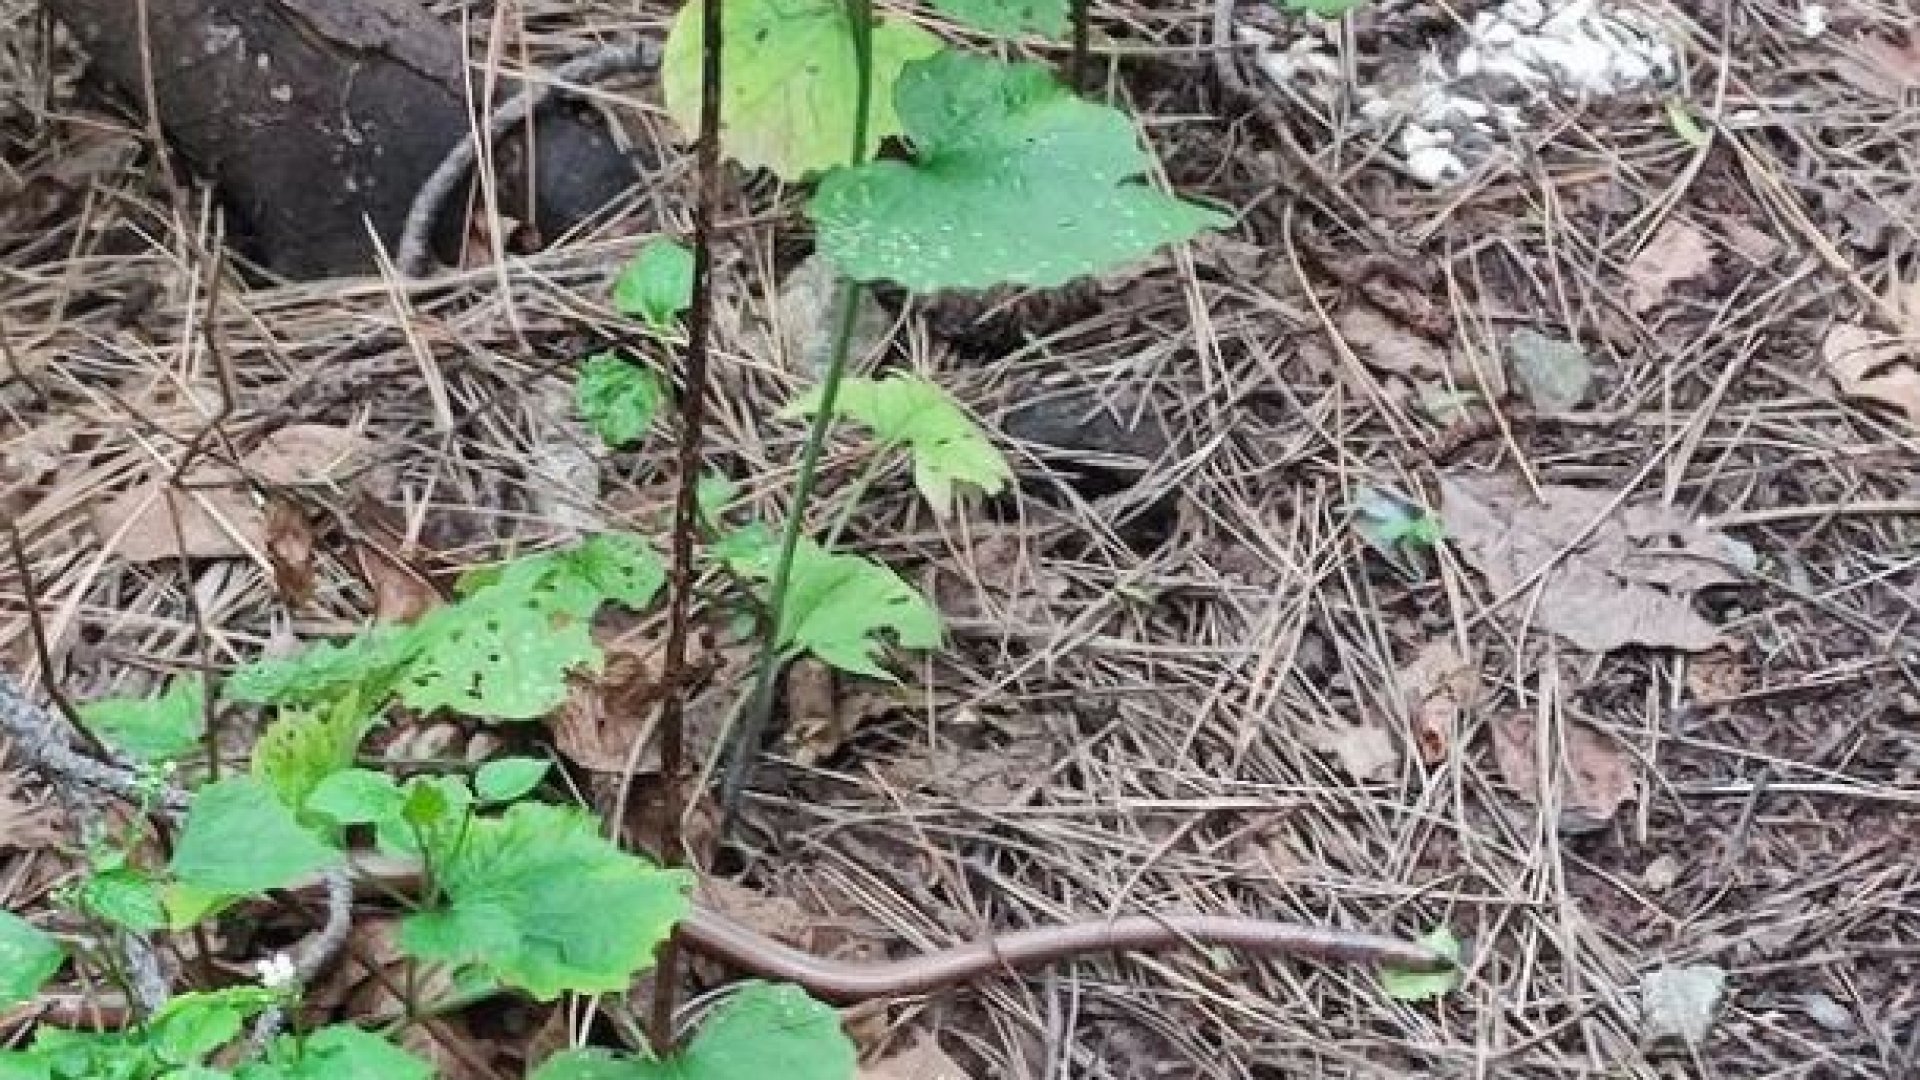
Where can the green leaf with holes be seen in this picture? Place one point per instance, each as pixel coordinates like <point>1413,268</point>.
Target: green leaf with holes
<point>763,1030</point>
<point>618,398</point>
<point>503,653</point>
<point>1014,181</point>
<point>28,958</point>
<point>538,899</point>
<point>790,81</point>
<point>839,606</point>
<point>162,727</point>
<point>656,285</point>
<point>126,897</point>
<point>1047,17</point>
<point>240,840</point>
<point>306,745</point>
<point>908,411</point>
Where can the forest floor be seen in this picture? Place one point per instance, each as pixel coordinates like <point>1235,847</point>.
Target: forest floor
<point>1648,355</point>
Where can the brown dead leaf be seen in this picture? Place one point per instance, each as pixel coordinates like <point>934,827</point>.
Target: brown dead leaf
<point>1594,776</point>
<point>926,1061</point>
<point>824,711</point>
<point>1882,66</point>
<point>290,550</point>
<point>1874,366</point>
<point>1364,752</point>
<point>1438,686</point>
<point>1678,252</point>
<point>1716,675</point>
<point>1385,345</point>
<point>1626,580</point>
<point>218,520</point>
<point>399,593</point>
<point>603,714</point>
<point>308,454</point>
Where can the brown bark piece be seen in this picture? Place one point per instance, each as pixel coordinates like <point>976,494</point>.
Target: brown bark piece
<point>318,118</point>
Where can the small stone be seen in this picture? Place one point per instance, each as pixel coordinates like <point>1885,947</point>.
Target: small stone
<point>1555,374</point>
<point>1826,1012</point>
<point>1679,1004</point>
<point>1660,874</point>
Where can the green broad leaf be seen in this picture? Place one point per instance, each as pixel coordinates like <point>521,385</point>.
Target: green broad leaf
<point>364,666</point>
<point>24,1065</point>
<point>165,727</point>
<point>340,1052</point>
<point>618,398</point>
<point>305,746</point>
<point>763,1030</point>
<point>906,410</point>
<point>502,654</point>
<point>1014,181</point>
<point>610,566</point>
<point>508,779</point>
<point>28,958</point>
<point>1424,985</point>
<point>1326,9</point>
<point>538,899</point>
<point>838,605</point>
<point>790,78</point>
<point>191,1026</point>
<point>713,493</point>
<point>125,897</point>
<point>1046,17</point>
<point>357,796</point>
<point>240,839</point>
<point>656,285</point>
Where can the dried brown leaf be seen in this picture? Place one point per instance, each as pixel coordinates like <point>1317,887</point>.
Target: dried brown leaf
<point>1438,686</point>
<point>399,593</point>
<point>1678,252</point>
<point>1594,776</point>
<point>1873,366</point>
<point>603,714</point>
<point>290,551</point>
<point>1385,345</point>
<point>926,1061</point>
<point>1623,581</point>
<point>218,520</point>
<point>308,454</point>
<point>824,711</point>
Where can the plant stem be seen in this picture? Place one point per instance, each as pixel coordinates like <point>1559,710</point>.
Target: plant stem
<point>1082,44</point>
<point>753,721</point>
<point>686,509</point>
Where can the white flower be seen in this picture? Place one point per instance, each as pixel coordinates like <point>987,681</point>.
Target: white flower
<point>277,971</point>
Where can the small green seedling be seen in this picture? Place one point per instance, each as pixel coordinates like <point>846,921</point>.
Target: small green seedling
<point>1426,985</point>
<point>1326,9</point>
<point>907,412</point>
<point>763,1030</point>
<point>152,730</point>
<point>618,398</point>
<point>656,286</point>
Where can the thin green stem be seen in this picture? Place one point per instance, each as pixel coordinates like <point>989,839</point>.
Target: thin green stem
<point>759,709</point>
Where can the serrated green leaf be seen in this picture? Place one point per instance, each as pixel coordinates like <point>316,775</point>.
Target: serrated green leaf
<point>656,285</point>
<point>508,779</point>
<point>125,897</point>
<point>240,840</point>
<point>763,1030</point>
<point>1326,9</point>
<point>1047,17</point>
<point>191,1026</point>
<point>618,398</point>
<point>906,410</point>
<point>164,727</point>
<point>24,1065</point>
<point>838,605</point>
<point>540,900</point>
<point>365,664</point>
<point>28,958</point>
<point>357,796</point>
<point>305,746</point>
<point>340,1052</point>
<point>1014,181</point>
<point>1424,985</point>
<point>790,81</point>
